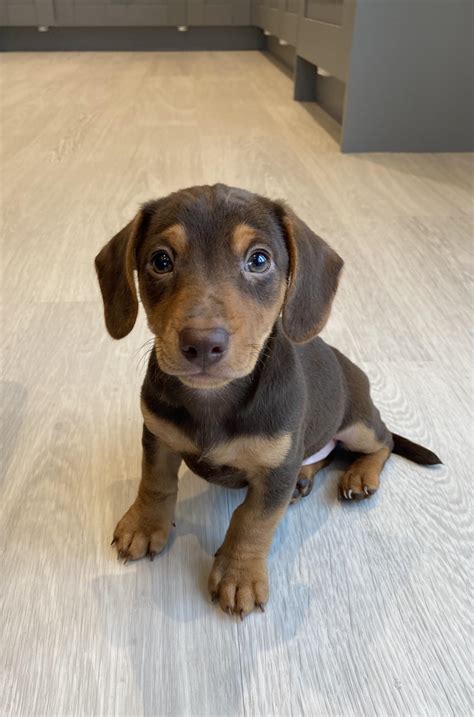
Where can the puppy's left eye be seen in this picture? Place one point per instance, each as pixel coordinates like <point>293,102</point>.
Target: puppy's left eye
<point>162,262</point>
<point>258,262</point>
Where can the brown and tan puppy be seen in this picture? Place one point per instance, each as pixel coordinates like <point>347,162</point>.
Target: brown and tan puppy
<point>245,398</point>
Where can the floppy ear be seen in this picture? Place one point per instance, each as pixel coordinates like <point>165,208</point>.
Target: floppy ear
<point>114,265</point>
<point>313,279</point>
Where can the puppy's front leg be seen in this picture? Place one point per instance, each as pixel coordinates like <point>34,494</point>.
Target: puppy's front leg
<point>145,527</point>
<point>238,578</point>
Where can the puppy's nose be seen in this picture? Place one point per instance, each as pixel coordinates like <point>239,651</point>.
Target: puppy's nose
<point>203,346</point>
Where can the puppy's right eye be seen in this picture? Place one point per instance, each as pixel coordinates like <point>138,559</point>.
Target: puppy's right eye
<point>162,262</point>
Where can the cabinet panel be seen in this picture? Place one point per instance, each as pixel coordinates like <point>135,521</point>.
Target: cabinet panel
<point>257,13</point>
<point>289,21</point>
<point>20,13</point>
<point>218,12</point>
<point>326,44</point>
<point>272,16</point>
<point>116,13</point>
<point>324,10</point>
<point>280,17</point>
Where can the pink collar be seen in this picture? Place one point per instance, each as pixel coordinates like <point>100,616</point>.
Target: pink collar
<point>322,453</point>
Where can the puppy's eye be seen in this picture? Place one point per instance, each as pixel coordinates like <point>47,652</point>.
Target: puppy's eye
<point>258,262</point>
<point>162,262</point>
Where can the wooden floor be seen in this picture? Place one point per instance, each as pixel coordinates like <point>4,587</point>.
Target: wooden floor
<point>369,612</point>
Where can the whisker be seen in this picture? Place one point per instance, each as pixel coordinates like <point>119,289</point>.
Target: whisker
<point>145,344</point>
<point>143,358</point>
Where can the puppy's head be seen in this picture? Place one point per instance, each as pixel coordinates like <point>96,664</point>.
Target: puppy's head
<point>216,266</point>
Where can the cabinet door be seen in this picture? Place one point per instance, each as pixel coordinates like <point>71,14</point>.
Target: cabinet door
<point>325,10</point>
<point>258,13</point>
<point>280,17</point>
<point>289,21</point>
<point>325,34</point>
<point>218,12</point>
<point>113,13</point>
<point>18,13</point>
<point>272,16</point>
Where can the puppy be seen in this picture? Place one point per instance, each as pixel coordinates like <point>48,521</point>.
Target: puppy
<point>236,289</point>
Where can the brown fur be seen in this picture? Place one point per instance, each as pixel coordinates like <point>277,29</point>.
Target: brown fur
<point>363,477</point>
<point>145,527</point>
<point>312,284</point>
<point>272,394</point>
<point>239,578</point>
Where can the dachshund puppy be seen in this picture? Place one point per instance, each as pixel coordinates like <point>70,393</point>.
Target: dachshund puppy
<point>236,289</point>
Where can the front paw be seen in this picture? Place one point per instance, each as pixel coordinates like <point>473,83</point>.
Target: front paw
<point>142,531</point>
<point>239,583</point>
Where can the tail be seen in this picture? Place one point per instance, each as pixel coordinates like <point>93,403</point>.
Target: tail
<point>403,447</point>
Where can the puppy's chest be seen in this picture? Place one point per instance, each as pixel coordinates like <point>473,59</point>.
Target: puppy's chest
<point>243,453</point>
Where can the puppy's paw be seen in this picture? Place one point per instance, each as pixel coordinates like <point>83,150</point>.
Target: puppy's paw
<point>142,531</point>
<point>358,482</point>
<point>304,486</point>
<point>239,584</point>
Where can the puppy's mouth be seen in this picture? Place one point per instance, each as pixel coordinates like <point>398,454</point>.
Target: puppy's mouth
<point>213,375</point>
<point>203,379</point>
<point>206,378</point>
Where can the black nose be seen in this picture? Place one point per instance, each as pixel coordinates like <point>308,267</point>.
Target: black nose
<point>203,346</point>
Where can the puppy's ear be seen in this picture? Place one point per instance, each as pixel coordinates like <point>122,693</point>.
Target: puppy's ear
<point>313,278</point>
<point>114,265</point>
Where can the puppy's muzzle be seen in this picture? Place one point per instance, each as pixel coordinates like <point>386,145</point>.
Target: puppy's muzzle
<point>204,347</point>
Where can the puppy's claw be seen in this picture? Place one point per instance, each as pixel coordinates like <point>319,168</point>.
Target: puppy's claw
<point>173,524</point>
<point>152,555</point>
<point>213,596</point>
<point>113,541</point>
<point>261,606</point>
<point>229,611</point>
<point>366,490</point>
<point>242,615</point>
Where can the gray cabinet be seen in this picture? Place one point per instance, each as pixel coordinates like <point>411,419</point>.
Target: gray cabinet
<point>113,13</point>
<point>324,11</point>
<point>272,16</point>
<point>134,13</point>
<point>279,17</point>
<point>398,78</point>
<point>289,21</point>
<point>324,34</point>
<point>20,13</point>
<point>258,13</point>
<point>218,12</point>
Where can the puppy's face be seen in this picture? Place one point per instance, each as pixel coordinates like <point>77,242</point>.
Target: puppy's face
<point>212,271</point>
<point>215,267</point>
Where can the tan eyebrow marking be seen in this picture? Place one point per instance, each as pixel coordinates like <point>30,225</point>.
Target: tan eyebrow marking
<point>242,238</point>
<point>177,238</point>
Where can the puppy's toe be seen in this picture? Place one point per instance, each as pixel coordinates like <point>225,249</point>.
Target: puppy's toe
<point>238,585</point>
<point>140,533</point>
<point>304,486</point>
<point>357,483</point>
